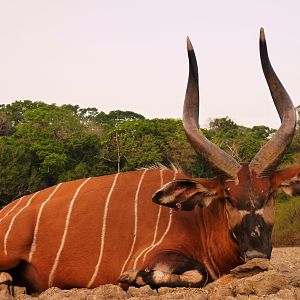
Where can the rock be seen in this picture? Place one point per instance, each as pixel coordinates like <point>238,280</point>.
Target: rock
<point>108,291</point>
<point>283,294</point>
<point>5,277</point>
<point>165,290</point>
<point>221,288</point>
<point>220,292</point>
<point>297,293</point>
<point>294,279</point>
<point>141,292</point>
<point>18,290</point>
<point>241,297</point>
<point>182,293</point>
<point>5,292</point>
<point>251,267</point>
<point>283,268</point>
<point>26,297</point>
<point>269,282</point>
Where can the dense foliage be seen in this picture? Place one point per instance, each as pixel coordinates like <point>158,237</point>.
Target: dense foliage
<point>42,144</point>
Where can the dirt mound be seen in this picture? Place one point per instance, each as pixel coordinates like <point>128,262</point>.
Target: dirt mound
<point>257,279</point>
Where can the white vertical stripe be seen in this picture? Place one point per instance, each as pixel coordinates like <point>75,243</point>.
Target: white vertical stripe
<point>135,220</point>
<point>103,231</point>
<point>156,225</point>
<point>37,224</point>
<point>13,220</point>
<point>167,229</point>
<point>163,236</point>
<point>62,243</point>
<point>16,204</point>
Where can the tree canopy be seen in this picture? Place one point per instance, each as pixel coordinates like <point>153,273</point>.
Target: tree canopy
<point>44,144</point>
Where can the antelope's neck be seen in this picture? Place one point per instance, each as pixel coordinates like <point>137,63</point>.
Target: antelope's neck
<point>219,251</point>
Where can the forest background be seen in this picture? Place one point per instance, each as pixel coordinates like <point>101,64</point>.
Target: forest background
<point>44,144</point>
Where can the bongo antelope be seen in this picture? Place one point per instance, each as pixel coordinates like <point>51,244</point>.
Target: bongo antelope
<point>106,229</point>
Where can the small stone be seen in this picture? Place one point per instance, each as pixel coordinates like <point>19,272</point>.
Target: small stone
<point>5,277</point>
<point>283,268</point>
<point>283,294</point>
<point>26,297</point>
<point>241,297</point>
<point>18,290</point>
<point>108,291</point>
<point>5,292</point>
<point>181,293</point>
<point>141,292</point>
<point>294,280</point>
<point>251,267</point>
<point>165,290</point>
<point>220,292</point>
<point>269,282</point>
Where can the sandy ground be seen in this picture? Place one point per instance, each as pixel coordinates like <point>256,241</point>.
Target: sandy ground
<point>286,259</point>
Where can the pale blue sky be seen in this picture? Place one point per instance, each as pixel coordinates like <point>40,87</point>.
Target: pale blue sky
<point>131,55</point>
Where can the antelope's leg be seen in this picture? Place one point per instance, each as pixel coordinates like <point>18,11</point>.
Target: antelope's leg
<point>168,269</point>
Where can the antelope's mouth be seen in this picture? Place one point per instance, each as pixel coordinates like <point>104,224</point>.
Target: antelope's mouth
<point>251,254</point>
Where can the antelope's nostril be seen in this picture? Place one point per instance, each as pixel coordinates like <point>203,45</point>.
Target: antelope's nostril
<point>250,254</point>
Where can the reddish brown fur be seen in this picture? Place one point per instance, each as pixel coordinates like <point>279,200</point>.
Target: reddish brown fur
<point>247,186</point>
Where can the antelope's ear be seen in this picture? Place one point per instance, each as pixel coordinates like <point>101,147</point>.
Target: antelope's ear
<point>288,180</point>
<point>185,194</point>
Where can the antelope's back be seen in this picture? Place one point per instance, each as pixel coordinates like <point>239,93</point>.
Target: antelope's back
<point>86,232</point>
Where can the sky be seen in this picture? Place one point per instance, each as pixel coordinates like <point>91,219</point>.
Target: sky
<point>131,55</point>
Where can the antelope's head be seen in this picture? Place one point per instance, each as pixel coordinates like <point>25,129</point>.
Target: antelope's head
<point>247,189</point>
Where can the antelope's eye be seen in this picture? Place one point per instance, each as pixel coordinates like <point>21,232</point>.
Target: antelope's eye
<point>227,197</point>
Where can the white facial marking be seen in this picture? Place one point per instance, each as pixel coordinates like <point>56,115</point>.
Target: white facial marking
<point>260,212</point>
<point>167,199</point>
<point>244,212</point>
<point>257,230</point>
<point>234,235</point>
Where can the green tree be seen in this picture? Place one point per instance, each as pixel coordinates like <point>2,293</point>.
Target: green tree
<point>49,145</point>
<point>12,114</point>
<point>143,143</point>
<point>240,142</point>
<point>115,117</point>
<point>18,174</point>
<point>294,150</point>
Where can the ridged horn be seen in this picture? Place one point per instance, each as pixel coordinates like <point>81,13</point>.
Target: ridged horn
<point>270,155</point>
<point>218,158</point>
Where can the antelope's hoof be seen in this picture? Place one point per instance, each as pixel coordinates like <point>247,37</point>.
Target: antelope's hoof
<point>128,276</point>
